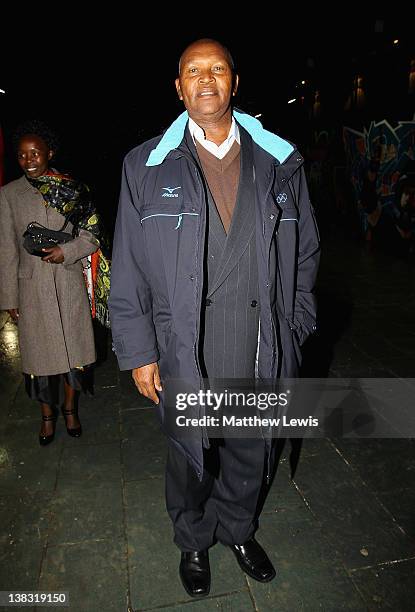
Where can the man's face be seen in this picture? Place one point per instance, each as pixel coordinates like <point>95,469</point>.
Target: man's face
<point>206,81</point>
<point>33,155</point>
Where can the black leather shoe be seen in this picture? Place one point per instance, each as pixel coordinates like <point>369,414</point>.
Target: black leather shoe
<point>75,432</point>
<point>253,560</point>
<point>45,440</point>
<point>195,572</point>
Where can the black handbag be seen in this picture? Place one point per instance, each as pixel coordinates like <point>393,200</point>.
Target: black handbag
<point>38,237</point>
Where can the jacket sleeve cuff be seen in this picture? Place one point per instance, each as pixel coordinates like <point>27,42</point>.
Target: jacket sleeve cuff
<point>304,325</point>
<point>134,341</point>
<point>9,302</point>
<point>130,362</point>
<point>82,246</point>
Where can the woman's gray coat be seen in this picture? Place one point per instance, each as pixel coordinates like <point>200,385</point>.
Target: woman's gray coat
<point>55,326</point>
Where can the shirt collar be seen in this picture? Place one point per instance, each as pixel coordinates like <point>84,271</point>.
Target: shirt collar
<point>197,133</point>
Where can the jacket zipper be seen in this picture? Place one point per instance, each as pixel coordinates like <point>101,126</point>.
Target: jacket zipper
<point>269,248</point>
<point>199,251</point>
<point>199,277</point>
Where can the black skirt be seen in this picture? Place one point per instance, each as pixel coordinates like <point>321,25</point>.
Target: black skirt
<point>49,389</point>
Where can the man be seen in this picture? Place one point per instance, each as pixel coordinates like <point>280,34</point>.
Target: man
<point>214,262</point>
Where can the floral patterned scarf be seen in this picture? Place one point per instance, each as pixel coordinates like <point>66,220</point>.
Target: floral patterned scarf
<point>72,199</point>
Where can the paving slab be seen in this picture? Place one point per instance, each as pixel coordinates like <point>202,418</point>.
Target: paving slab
<point>92,572</point>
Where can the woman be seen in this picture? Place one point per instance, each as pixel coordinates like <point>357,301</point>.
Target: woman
<point>46,295</point>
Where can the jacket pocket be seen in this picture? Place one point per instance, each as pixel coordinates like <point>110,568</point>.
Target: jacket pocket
<point>25,273</point>
<point>289,213</point>
<point>172,214</point>
<point>169,216</point>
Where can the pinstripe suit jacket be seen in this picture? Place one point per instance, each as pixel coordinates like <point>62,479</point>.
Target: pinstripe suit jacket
<point>230,311</point>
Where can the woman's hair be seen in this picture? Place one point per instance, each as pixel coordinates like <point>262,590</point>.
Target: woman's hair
<point>34,126</point>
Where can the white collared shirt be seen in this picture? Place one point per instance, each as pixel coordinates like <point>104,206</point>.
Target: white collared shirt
<point>218,151</point>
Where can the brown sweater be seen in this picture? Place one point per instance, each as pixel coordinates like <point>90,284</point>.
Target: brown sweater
<point>222,176</point>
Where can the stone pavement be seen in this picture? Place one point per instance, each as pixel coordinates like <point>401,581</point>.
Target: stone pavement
<point>87,516</point>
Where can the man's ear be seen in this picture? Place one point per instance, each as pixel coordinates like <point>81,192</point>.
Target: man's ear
<point>179,91</point>
<point>235,84</point>
<point>51,154</point>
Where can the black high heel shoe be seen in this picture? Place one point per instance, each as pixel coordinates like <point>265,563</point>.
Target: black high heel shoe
<point>45,440</point>
<point>75,432</point>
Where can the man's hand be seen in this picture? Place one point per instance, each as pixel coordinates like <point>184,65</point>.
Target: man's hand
<point>14,313</point>
<point>147,381</point>
<point>53,255</point>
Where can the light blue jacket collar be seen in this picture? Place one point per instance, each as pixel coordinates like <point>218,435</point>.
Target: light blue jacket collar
<point>273,144</point>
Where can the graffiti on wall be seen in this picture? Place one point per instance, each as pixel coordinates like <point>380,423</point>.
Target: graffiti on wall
<point>382,171</point>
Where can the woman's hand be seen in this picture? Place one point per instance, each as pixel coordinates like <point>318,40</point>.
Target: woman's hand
<point>14,313</point>
<point>53,255</point>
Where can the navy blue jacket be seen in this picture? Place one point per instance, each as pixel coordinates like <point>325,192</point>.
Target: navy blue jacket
<point>157,263</point>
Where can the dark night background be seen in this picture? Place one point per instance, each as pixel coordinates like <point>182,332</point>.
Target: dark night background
<point>106,88</point>
<point>88,517</point>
